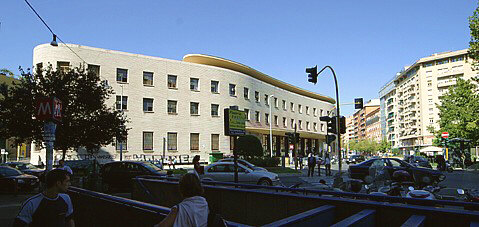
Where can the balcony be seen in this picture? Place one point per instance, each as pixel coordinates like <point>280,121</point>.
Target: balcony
<point>446,83</point>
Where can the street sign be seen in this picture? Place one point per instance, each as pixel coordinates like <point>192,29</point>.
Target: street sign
<point>49,109</point>
<point>235,122</point>
<point>291,147</point>
<point>445,135</point>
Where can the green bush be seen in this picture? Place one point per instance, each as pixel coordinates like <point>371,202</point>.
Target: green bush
<point>264,161</point>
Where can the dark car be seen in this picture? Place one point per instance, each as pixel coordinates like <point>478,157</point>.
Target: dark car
<point>27,168</point>
<point>355,159</point>
<point>417,175</point>
<point>10,176</point>
<point>119,175</point>
<point>418,161</point>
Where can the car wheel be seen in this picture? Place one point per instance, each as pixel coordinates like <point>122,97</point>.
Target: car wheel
<point>265,182</point>
<point>368,179</point>
<point>426,180</point>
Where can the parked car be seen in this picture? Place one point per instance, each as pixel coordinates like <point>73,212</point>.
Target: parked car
<point>224,171</point>
<point>9,175</point>
<point>27,168</point>
<point>355,159</point>
<point>419,175</point>
<point>119,175</point>
<point>418,161</point>
<point>245,163</point>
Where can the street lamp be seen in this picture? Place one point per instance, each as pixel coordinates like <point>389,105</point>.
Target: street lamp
<point>270,126</point>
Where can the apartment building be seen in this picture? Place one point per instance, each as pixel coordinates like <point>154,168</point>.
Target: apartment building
<point>176,107</point>
<point>411,97</point>
<point>360,118</point>
<point>373,125</point>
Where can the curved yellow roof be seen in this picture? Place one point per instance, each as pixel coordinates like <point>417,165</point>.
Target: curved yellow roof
<point>231,65</point>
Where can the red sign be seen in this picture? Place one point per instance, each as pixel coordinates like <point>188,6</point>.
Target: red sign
<point>49,109</point>
<point>445,135</point>
<point>291,147</point>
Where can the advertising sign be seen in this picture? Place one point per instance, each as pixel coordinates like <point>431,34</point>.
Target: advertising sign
<point>49,109</point>
<point>235,122</point>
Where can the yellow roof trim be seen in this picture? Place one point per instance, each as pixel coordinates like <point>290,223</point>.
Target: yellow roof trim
<point>231,65</point>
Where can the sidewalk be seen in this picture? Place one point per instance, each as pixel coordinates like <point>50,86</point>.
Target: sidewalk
<point>10,204</point>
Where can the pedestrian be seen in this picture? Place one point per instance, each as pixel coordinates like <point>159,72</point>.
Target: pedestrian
<point>311,164</point>
<point>51,207</point>
<point>301,161</point>
<point>170,162</point>
<point>193,210</point>
<point>327,164</point>
<point>197,166</point>
<point>61,165</point>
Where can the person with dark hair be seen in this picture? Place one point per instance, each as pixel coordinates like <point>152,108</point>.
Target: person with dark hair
<point>51,207</point>
<point>193,210</point>
<point>197,166</point>
<point>311,165</point>
<point>327,164</point>
<point>61,165</point>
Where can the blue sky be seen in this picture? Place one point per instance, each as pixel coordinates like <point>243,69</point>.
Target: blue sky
<point>366,42</point>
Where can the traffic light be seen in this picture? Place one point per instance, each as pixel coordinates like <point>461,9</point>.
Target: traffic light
<point>312,74</point>
<point>290,137</point>
<point>330,138</point>
<point>332,126</point>
<point>342,125</point>
<point>297,137</point>
<point>358,103</point>
<point>324,118</point>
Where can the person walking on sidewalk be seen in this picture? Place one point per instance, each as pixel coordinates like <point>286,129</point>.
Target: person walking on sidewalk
<point>311,164</point>
<point>327,164</point>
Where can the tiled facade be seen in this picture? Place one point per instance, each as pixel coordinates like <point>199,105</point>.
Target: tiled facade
<point>192,110</point>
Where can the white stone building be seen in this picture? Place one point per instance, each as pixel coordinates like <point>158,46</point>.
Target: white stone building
<point>176,107</point>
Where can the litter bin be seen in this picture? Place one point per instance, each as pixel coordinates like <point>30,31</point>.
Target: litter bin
<point>215,156</point>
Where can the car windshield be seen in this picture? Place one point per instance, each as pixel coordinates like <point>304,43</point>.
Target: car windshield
<point>151,166</point>
<point>27,166</point>
<point>9,172</point>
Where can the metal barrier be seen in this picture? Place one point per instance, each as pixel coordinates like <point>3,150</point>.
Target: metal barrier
<point>263,207</point>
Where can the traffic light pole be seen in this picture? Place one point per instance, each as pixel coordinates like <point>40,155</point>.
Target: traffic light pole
<point>337,114</point>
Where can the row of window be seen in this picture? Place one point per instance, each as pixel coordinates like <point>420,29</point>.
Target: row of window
<point>443,61</point>
<point>172,142</point>
<point>122,76</point>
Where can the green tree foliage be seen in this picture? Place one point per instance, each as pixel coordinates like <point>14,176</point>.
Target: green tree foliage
<point>249,146</point>
<point>458,112</point>
<point>367,146</point>
<point>384,145</point>
<point>474,43</point>
<point>86,120</point>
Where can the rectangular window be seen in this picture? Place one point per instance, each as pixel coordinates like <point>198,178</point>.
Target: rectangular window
<point>456,59</point>
<point>194,84</point>
<point>276,121</point>
<point>431,120</point>
<point>214,110</point>
<point>315,126</point>
<point>148,141</point>
<point>122,75</point>
<point>194,108</point>
<point>307,110</point>
<point>215,142</point>
<point>322,127</point>
<point>307,126</point>
<point>172,106</point>
<point>121,102</point>
<point>292,106</point>
<point>292,123</point>
<point>194,141</point>
<point>256,116</point>
<point>266,99</point>
<point>300,108</point>
<point>147,105</point>
<point>172,81</point>
<point>63,66</point>
<point>246,93</point>
<point>172,141</point>
<point>148,78</point>
<point>300,124</point>
<point>430,101</point>
<point>315,113</point>
<point>320,112</point>
<point>232,90</point>
<point>285,124</point>
<point>444,61</point>
<point>121,145</point>
<point>276,102</point>
<point>215,86</point>
<point>256,96</point>
<point>284,104</point>
<point>266,118</point>
<point>247,114</point>
<point>95,69</point>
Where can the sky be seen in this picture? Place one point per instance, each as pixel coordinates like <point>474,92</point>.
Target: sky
<point>366,42</point>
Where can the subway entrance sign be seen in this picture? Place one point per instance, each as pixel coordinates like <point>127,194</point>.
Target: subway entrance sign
<point>49,108</point>
<point>235,122</point>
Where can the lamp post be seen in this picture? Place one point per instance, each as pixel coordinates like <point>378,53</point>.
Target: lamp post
<point>270,126</point>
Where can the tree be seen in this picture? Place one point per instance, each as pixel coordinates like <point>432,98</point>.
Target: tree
<point>6,72</point>
<point>474,43</point>
<point>249,146</point>
<point>384,145</point>
<point>458,112</point>
<point>86,120</point>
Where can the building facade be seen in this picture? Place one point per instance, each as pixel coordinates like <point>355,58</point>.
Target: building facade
<point>373,125</point>
<point>388,114</point>
<point>412,100</point>
<point>360,119</point>
<point>176,107</point>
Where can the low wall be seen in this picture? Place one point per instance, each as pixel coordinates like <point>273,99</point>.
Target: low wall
<point>260,207</point>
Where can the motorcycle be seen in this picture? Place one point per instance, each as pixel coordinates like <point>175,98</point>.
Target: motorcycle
<point>469,195</point>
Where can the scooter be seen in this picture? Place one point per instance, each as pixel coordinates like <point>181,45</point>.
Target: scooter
<point>469,195</point>
<point>426,193</point>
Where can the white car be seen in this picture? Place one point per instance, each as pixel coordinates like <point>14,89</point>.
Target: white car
<point>245,163</point>
<point>224,172</point>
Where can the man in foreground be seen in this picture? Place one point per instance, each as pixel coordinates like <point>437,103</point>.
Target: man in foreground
<point>51,207</point>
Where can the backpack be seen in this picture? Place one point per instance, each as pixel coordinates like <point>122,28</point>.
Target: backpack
<point>215,220</point>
